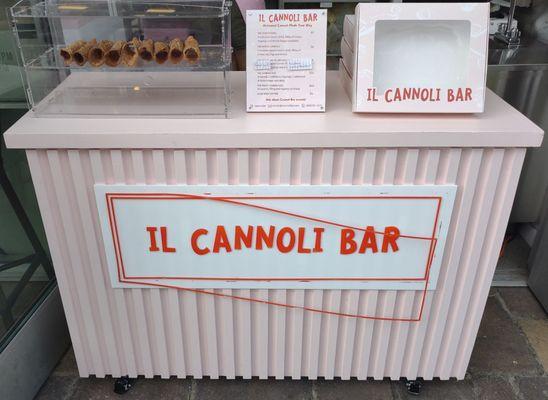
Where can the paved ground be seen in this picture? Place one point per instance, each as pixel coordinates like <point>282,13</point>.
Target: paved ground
<point>510,361</point>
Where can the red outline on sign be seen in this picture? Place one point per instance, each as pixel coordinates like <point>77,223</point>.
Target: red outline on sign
<point>167,196</point>
<point>299,307</point>
<point>122,278</point>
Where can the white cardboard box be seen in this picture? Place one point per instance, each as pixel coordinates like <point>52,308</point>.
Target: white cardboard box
<point>420,57</point>
<point>347,54</point>
<point>346,78</point>
<point>349,29</point>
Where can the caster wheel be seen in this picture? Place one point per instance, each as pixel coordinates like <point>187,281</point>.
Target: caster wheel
<point>414,387</point>
<point>122,385</point>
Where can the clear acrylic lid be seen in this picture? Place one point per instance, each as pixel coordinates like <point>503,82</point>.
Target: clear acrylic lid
<point>121,8</point>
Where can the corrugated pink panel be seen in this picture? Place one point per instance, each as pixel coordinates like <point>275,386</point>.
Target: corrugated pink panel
<point>170,332</point>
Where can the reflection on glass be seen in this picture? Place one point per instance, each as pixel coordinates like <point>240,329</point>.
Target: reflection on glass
<point>25,270</point>
<point>11,87</point>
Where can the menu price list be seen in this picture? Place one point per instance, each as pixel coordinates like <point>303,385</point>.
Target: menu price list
<point>286,51</point>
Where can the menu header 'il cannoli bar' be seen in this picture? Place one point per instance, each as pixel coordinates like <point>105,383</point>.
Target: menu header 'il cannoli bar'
<point>283,239</point>
<point>288,17</point>
<point>128,53</point>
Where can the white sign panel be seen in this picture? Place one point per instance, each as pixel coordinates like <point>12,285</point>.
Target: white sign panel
<point>377,237</point>
<point>285,60</point>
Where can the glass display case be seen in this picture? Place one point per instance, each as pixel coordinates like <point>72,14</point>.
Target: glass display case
<point>125,57</point>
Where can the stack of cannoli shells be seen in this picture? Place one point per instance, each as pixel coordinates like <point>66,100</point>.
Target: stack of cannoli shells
<point>113,56</point>
<point>176,47</point>
<point>192,50</point>
<point>146,50</point>
<point>96,55</point>
<point>67,53</point>
<point>80,56</point>
<point>127,53</point>
<point>161,52</point>
<point>130,52</point>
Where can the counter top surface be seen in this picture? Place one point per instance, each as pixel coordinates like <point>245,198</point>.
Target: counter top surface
<point>499,126</point>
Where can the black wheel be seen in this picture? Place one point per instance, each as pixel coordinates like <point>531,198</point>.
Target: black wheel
<point>413,387</point>
<point>122,385</point>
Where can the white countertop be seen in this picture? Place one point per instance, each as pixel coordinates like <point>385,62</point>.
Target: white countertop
<point>499,126</point>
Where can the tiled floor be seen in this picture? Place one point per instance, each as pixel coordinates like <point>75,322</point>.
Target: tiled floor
<point>510,361</point>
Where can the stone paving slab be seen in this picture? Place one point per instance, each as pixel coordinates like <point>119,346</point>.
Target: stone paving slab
<point>522,303</point>
<point>438,390</point>
<point>352,389</point>
<point>57,388</point>
<point>534,388</point>
<point>143,389</point>
<point>536,331</point>
<point>494,389</point>
<point>67,366</point>
<point>500,345</point>
<point>255,389</point>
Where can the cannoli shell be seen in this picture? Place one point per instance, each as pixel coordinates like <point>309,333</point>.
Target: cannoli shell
<point>96,55</point>
<point>113,57</point>
<point>146,50</point>
<point>176,47</point>
<point>80,56</point>
<point>130,52</point>
<point>67,52</point>
<point>161,52</point>
<point>192,50</point>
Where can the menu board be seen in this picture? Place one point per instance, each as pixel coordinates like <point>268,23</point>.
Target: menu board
<point>286,55</point>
